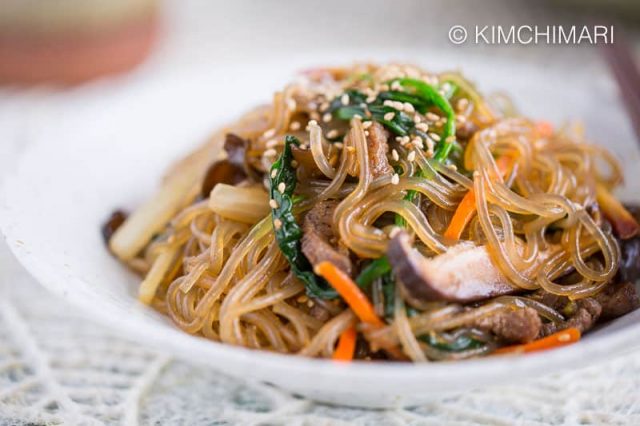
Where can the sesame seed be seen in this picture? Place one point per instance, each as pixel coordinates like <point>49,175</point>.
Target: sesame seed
<point>367,124</point>
<point>371,98</point>
<point>357,116</point>
<point>412,156</point>
<point>273,204</point>
<point>366,133</point>
<point>269,133</point>
<point>395,155</point>
<point>408,107</point>
<point>303,146</point>
<point>389,116</point>
<point>272,143</point>
<point>310,303</point>
<point>281,187</point>
<point>270,152</point>
<point>338,145</point>
<point>452,167</point>
<point>351,148</point>
<point>395,179</point>
<point>344,99</point>
<point>277,223</point>
<point>430,145</point>
<point>450,139</point>
<point>422,126</point>
<point>294,163</point>
<point>396,85</point>
<point>388,103</point>
<point>431,116</point>
<point>295,125</point>
<point>417,119</point>
<point>324,106</point>
<point>326,118</point>
<point>332,133</point>
<point>461,119</point>
<point>462,104</point>
<point>302,299</point>
<point>417,142</point>
<point>434,136</point>
<point>315,116</point>
<point>564,337</point>
<point>274,173</point>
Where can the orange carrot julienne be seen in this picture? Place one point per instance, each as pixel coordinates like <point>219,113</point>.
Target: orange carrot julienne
<point>544,129</point>
<point>350,292</point>
<point>462,216</point>
<point>467,207</point>
<point>555,340</point>
<point>346,345</point>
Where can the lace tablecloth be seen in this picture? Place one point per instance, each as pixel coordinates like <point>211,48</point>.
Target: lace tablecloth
<point>58,368</point>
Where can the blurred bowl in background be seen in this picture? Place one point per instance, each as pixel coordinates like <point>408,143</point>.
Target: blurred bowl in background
<point>72,41</point>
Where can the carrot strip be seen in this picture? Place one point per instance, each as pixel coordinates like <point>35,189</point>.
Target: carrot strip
<point>346,345</point>
<point>561,338</point>
<point>467,207</point>
<point>462,216</point>
<point>350,292</point>
<point>544,129</point>
<point>623,222</point>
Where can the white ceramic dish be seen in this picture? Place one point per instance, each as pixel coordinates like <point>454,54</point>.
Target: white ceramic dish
<point>106,146</point>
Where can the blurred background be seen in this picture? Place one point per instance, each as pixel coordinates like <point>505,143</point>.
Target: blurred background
<point>72,41</point>
<point>53,49</point>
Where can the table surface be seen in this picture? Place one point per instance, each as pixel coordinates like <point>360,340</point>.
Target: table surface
<point>57,368</point>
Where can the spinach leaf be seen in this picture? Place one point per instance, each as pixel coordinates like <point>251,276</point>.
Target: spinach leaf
<point>430,95</point>
<point>389,293</point>
<point>288,232</point>
<point>461,343</point>
<point>373,271</point>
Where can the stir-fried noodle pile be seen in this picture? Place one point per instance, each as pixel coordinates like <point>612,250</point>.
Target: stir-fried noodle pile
<point>385,212</point>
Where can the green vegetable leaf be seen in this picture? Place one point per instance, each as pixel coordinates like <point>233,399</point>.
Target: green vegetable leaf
<point>431,96</point>
<point>461,343</point>
<point>373,271</point>
<point>428,95</point>
<point>288,232</point>
<point>389,293</point>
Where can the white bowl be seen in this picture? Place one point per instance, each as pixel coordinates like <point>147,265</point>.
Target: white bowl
<point>107,145</point>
